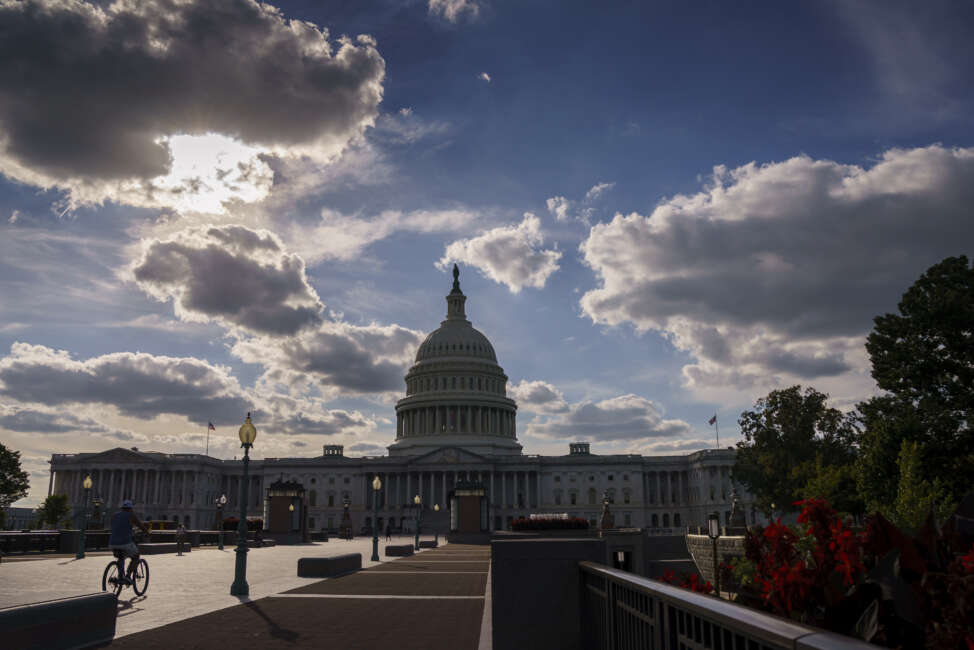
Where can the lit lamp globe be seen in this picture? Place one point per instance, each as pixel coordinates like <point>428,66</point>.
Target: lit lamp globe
<point>291,508</point>
<point>436,507</point>
<point>417,500</point>
<point>248,432</point>
<point>87,483</point>
<point>376,484</point>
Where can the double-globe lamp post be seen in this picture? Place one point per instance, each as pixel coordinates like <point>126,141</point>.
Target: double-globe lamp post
<point>247,433</point>
<point>222,501</point>
<point>84,521</point>
<point>376,486</point>
<point>713,532</point>
<point>419,517</point>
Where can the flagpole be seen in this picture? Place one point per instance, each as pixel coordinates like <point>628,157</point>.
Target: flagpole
<point>207,440</point>
<point>717,429</point>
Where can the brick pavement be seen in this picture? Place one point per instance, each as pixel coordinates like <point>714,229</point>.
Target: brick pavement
<point>394,604</point>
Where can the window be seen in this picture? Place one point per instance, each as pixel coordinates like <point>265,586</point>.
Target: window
<point>676,520</point>
<point>591,496</point>
<point>313,497</point>
<point>625,477</point>
<point>625,496</point>
<point>655,521</point>
<point>346,479</point>
<point>574,498</point>
<point>557,479</point>
<point>454,380</point>
<point>591,478</point>
<point>557,498</point>
<point>331,480</point>
<point>611,477</point>
<point>628,520</point>
<point>331,500</point>
<point>666,521</point>
<point>312,481</point>
<point>311,523</point>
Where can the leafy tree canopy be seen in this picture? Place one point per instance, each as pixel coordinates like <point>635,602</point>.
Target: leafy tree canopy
<point>789,436</point>
<point>14,481</point>
<point>924,358</point>
<point>54,509</point>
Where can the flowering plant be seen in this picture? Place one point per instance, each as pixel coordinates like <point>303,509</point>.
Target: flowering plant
<point>693,582</point>
<point>879,584</point>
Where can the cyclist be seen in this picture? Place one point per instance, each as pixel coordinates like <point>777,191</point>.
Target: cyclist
<point>121,538</point>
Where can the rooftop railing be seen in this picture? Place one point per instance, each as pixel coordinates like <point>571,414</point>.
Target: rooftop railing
<point>623,611</point>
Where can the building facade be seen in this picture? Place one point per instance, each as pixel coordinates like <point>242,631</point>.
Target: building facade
<point>455,423</point>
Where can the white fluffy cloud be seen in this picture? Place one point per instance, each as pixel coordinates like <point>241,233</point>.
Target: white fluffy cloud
<point>452,10</point>
<point>559,206</point>
<point>622,418</point>
<point>773,273</point>
<point>485,77</point>
<point>563,209</point>
<point>99,119</point>
<point>537,397</point>
<point>231,274</point>
<point>510,255</point>
<point>598,189</point>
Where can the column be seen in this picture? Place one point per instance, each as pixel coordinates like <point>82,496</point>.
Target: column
<point>156,493</point>
<point>503,490</point>
<point>539,501</point>
<point>443,479</point>
<point>493,495</point>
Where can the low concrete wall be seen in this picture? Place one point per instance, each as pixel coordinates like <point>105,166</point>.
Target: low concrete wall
<point>78,622</point>
<point>535,591</point>
<point>427,543</point>
<point>327,567</point>
<point>401,550</point>
<point>702,549</point>
<point>157,548</point>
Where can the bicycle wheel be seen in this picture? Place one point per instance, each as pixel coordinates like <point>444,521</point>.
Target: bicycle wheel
<point>110,579</point>
<point>140,581</point>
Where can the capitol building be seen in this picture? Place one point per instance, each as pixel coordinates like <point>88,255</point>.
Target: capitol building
<point>455,423</point>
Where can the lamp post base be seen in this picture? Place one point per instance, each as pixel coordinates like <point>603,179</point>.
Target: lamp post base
<point>375,549</point>
<point>240,586</point>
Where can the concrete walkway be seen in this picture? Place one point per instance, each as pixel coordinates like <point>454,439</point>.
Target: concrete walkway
<point>430,601</point>
<point>179,587</point>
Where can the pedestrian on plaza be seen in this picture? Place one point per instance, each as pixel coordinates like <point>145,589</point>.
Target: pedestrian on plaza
<point>388,532</point>
<point>180,539</point>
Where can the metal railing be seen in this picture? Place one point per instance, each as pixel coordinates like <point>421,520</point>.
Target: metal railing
<point>623,611</point>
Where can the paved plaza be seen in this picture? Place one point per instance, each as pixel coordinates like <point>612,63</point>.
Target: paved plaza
<point>447,584</point>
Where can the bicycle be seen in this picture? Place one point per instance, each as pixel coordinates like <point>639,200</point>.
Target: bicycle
<point>114,577</point>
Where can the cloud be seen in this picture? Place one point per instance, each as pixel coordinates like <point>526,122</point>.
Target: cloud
<point>137,384</point>
<point>509,255</point>
<point>563,209</point>
<point>337,358</point>
<point>98,118</point>
<point>344,237</point>
<point>597,190</point>
<point>626,417</point>
<point>231,274</point>
<point>773,273</point>
<point>559,206</point>
<point>484,76</point>
<point>538,397</point>
<point>453,9</point>
<point>368,448</point>
<point>27,420</point>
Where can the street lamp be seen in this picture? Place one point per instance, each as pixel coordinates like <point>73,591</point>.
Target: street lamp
<point>376,486</point>
<point>84,521</point>
<point>247,433</point>
<point>713,532</point>
<point>419,517</point>
<point>222,501</point>
<point>436,532</point>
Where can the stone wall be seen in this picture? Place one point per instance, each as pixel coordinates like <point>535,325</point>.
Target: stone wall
<point>702,550</point>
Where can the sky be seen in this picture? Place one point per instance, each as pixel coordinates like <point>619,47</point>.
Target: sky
<point>661,211</point>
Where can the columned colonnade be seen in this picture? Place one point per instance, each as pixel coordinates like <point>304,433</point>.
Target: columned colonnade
<point>430,420</point>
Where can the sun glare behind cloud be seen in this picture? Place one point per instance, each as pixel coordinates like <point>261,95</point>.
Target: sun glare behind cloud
<point>208,170</point>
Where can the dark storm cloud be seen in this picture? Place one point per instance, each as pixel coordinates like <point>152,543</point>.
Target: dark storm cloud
<point>138,385</point>
<point>325,423</point>
<point>86,90</point>
<point>627,417</point>
<point>235,275</point>
<point>776,268</point>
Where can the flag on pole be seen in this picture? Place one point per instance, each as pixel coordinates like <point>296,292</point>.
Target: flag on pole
<point>213,428</point>
<point>711,421</point>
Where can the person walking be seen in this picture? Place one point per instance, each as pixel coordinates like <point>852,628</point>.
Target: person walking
<point>180,539</point>
<point>388,532</point>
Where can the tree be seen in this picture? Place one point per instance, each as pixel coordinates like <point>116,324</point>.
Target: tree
<point>924,358</point>
<point>915,496</point>
<point>54,509</point>
<point>14,481</point>
<point>886,423</point>
<point>788,437</point>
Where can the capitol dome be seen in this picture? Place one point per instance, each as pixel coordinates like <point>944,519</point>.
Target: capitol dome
<point>456,393</point>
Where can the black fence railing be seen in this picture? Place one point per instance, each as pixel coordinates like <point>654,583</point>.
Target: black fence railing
<point>623,611</point>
